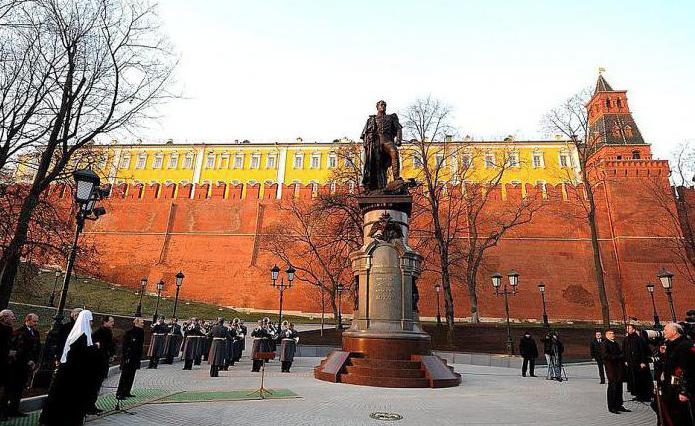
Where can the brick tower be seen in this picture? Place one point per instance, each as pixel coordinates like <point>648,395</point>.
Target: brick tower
<point>612,127</point>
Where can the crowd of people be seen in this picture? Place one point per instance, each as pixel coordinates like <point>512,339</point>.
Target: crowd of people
<point>83,356</point>
<point>669,390</point>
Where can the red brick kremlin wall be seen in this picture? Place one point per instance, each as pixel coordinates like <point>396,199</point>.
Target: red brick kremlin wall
<point>214,239</point>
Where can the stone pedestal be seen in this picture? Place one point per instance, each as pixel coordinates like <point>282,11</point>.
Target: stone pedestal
<point>385,345</point>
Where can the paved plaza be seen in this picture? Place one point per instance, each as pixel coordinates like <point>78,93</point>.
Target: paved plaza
<point>488,395</point>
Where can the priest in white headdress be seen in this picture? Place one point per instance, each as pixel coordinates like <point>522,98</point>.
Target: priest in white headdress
<point>67,401</point>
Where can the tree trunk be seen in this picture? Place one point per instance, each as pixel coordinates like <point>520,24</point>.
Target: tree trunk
<point>13,254</point>
<point>596,249</point>
<point>472,295</point>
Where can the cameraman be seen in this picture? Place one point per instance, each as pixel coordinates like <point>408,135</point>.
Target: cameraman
<point>678,376</point>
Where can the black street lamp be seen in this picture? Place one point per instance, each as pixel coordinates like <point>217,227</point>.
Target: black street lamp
<point>143,284</point>
<point>666,279</point>
<point>52,298</point>
<point>339,288</point>
<point>87,193</point>
<point>541,288</point>
<point>437,289</point>
<point>650,289</point>
<point>274,272</point>
<point>513,282</point>
<point>160,287</point>
<point>179,281</point>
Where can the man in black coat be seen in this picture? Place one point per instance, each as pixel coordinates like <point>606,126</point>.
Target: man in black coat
<point>63,334</point>
<point>613,359</point>
<point>637,356</point>
<point>678,376</point>
<point>103,336</point>
<point>6,322</point>
<point>25,348</point>
<point>130,358</point>
<point>529,351</point>
<point>596,349</point>
<point>218,348</point>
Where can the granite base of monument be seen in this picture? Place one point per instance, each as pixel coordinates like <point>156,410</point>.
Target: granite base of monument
<point>385,345</point>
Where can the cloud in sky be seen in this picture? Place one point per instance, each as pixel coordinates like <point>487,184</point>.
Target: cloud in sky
<point>276,70</point>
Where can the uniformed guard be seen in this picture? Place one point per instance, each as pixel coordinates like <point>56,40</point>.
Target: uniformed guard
<point>218,347</point>
<point>231,334</point>
<point>191,346</point>
<point>288,347</point>
<point>204,343</point>
<point>156,349</point>
<point>260,344</point>
<point>244,332</point>
<point>173,341</point>
<point>239,340</point>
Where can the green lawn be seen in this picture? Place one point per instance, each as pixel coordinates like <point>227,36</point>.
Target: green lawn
<point>101,296</point>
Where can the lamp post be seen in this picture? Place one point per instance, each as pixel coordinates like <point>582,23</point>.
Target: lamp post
<point>513,282</point>
<point>650,289</point>
<point>143,284</point>
<point>52,298</point>
<point>160,287</point>
<point>666,279</point>
<point>87,193</point>
<point>541,288</point>
<point>281,287</point>
<point>437,289</point>
<point>179,281</point>
<point>339,288</point>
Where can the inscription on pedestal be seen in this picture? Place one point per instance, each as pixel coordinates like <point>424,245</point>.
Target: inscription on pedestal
<point>385,291</point>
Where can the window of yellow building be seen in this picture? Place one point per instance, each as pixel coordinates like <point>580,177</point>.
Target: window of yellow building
<point>224,161</point>
<point>103,159</point>
<point>538,161</point>
<point>255,161</point>
<point>142,161</point>
<point>417,161</point>
<point>489,160</point>
<point>514,159</point>
<point>332,161</point>
<point>188,161</point>
<point>298,161</point>
<point>157,162</point>
<point>564,159</point>
<point>439,160</point>
<point>467,161</point>
<point>125,162</point>
<point>239,161</point>
<point>173,161</point>
<point>210,162</point>
<point>270,161</point>
<point>315,161</point>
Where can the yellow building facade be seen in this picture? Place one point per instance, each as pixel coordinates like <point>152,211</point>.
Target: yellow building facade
<point>533,162</point>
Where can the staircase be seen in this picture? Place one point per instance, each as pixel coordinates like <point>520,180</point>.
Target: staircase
<point>422,371</point>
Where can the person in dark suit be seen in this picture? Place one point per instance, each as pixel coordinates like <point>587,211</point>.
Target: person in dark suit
<point>103,337</point>
<point>25,347</point>
<point>595,349</point>
<point>637,357</point>
<point>529,351</point>
<point>130,358</point>
<point>6,322</point>
<point>614,359</point>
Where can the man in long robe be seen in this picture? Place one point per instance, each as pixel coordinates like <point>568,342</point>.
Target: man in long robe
<point>637,356</point>
<point>193,336</point>
<point>103,337</point>
<point>173,341</point>
<point>218,347</point>
<point>288,346</point>
<point>7,319</point>
<point>156,349</point>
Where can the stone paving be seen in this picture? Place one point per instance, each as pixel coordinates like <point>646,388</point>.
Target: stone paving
<point>488,396</point>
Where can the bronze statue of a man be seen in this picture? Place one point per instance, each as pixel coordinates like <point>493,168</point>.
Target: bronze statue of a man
<point>382,135</point>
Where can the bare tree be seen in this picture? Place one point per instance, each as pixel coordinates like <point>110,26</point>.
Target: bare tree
<point>572,121</point>
<point>314,245</point>
<point>455,219</point>
<point>109,67</point>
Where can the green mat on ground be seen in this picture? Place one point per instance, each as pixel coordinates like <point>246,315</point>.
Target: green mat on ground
<point>235,395</point>
<point>105,402</point>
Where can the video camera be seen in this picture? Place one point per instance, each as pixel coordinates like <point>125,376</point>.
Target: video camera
<point>655,337</point>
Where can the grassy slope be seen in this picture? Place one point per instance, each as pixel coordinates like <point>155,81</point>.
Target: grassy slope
<point>101,296</point>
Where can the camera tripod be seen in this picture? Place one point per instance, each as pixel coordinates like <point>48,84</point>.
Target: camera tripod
<point>553,366</point>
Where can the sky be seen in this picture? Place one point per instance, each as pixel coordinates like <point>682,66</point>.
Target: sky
<point>277,70</point>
